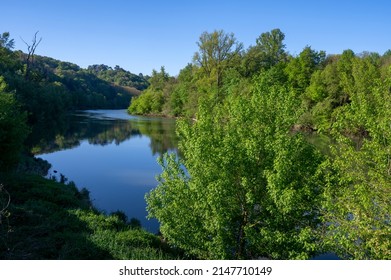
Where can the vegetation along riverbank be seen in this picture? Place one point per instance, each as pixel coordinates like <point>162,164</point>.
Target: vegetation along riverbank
<point>248,183</point>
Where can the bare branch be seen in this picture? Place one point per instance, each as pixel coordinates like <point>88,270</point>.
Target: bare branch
<point>31,50</point>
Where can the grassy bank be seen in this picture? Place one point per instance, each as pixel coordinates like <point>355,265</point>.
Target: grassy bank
<point>43,219</point>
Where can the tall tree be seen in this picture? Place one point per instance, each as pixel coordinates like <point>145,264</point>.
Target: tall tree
<point>217,51</point>
<point>271,44</point>
<point>268,51</point>
<point>301,68</point>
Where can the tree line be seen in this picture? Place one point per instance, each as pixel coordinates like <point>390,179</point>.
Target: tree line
<point>36,89</point>
<point>46,87</point>
<point>249,182</point>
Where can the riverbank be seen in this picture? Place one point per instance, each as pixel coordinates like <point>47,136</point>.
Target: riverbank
<point>44,219</point>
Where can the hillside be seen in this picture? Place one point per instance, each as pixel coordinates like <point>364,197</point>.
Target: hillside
<point>47,87</point>
<point>119,76</point>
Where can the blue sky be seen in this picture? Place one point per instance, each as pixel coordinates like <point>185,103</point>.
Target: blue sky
<point>144,35</point>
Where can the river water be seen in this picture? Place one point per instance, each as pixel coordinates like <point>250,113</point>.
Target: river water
<point>113,155</point>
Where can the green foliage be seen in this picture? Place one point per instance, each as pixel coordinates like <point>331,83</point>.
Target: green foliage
<point>5,41</point>
<point>153,98</point>
<point>358,193</point>
<point>13,129</point>
<point>49,220</point>
<point>246,181</point>
<point>47,88</point>
<point>218,51</point>
<point>300,68</point>
<point>268,52</point>
<point>119,76</point>
<point>248,185</point>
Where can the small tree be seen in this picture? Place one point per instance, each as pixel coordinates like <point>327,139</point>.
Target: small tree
<point>6,42</point>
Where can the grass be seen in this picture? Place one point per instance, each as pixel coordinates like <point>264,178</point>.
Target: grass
<point>50,220</point>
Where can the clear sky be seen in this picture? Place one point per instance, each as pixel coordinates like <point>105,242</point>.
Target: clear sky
<point>144,35</point>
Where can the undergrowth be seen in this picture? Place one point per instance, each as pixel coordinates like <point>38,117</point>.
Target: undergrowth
<point>49,220</point>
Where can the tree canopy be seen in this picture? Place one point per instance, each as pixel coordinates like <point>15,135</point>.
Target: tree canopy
<point>292,159</point>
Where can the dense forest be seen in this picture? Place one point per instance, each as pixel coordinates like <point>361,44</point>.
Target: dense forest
<point>284,156</point>
<point>281,156</point>
<point>46,87</point>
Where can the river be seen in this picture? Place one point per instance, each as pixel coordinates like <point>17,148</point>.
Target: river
<point>113,155</point>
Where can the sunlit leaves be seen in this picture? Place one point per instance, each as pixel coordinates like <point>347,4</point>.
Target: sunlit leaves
<point>246,178</point>
<point>359,198</point>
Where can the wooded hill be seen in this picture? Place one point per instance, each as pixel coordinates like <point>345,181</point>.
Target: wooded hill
<point>46,87</point>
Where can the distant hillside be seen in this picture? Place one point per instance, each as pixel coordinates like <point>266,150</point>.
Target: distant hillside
<point>119,76</point>
<point>46,87</point>
<point>90,89</point>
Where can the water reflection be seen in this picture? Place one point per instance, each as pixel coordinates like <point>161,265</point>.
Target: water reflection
<point>111,154</point>
<point>103,127</point>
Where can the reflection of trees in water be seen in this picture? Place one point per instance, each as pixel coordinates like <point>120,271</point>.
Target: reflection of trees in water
<point>69,132</point>
<point>104,132</point>
<point>161,132</point>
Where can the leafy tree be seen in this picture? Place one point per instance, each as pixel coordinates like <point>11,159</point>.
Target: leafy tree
<point>183,99</point>
<point>159,79</point>
<point>358,192</point>
<point>8,59</point>
<point>249,187</point>
<point>13,128</point>
<point>151,101</point>
<point>301,68</point>
<point>217,52</point>
<point>271,44</point>
<point>268,51</point>
<point>6,42</point>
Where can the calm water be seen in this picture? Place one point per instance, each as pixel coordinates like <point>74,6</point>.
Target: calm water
<point>113,155</point>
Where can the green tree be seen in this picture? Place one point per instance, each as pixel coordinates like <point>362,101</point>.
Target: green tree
<point>271,44</point>
<point>6,42</point>
<point>13,128</point>
<point>152,100</point>
<point>158,80</point>
<point>268,51</point>
<point>358,205</point>
<point>183,99</point>
<point>250,188</point>
<point>217,52</point>
<point>8,60</point>
<point>301,68</point>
